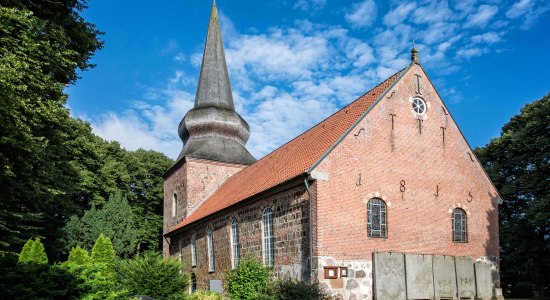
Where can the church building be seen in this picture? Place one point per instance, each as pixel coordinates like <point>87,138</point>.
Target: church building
<point>384,199</point>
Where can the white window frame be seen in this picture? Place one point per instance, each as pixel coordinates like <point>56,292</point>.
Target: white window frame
<point>268,241</point>
<point>193,250</point>
<point>174,205</point>
<point>210,244</point>
<point>235,245</point>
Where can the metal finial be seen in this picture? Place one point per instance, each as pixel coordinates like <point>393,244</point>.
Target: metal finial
<point>414,54</point>
<point>214,3</point>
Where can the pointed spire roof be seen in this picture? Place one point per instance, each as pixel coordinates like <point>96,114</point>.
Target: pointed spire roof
<point>213,130</point>
<point>214,88</point>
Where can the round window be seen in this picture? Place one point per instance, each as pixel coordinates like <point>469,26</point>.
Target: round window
<point>419,106</point>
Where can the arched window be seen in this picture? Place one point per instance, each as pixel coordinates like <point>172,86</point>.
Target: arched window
<point>193,285</point>
<point>210,237</point>
<point>193,251</point>
<point>460,231</point>
<point>174,205</point>
<point>376,216</point>
<point>267,227</point>
<point>235,246</point>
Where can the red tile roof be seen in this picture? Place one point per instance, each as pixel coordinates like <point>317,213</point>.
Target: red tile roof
<point>288,161</point>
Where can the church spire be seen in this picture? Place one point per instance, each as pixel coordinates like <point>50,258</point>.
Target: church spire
<point>213,129</point>
<point>214,88</point>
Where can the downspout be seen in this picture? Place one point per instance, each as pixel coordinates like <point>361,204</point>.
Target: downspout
<point>310,229</point>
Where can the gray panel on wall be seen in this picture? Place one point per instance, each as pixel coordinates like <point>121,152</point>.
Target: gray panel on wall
<point>389,276</point>
<point>465,277</point>
<point>484,282</point>
<point>216,286</point>
<point>419,276</point>
<point>444,277</point>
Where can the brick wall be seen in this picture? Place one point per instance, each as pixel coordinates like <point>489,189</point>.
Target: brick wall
<point>377,158</point>
<point>290,229</point>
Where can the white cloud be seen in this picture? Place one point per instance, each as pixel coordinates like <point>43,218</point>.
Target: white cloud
<point>482,16</point>
<point>434,12</point>
<point>519,9</point>
<point>309,4</point>
<point>399,14</point>
<point>471,52</point>
<point>362,14</point>
<point>487,38</point>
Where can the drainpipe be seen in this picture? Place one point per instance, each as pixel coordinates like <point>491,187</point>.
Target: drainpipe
<point>310,229</point>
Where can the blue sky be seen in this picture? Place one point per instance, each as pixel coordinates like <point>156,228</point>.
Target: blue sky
<point>293,63</point>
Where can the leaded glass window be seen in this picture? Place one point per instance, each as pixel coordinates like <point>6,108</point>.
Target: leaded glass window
<point>460,232</point>
<point>235,243</point>
<point>193,250</point>
<point>210,237</point>
<point>267,222</point>
<point>376,218</point>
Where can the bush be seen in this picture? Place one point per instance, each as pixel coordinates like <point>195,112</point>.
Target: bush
<point>103,250</point>
<point>290,289</point>
<point>206,295</point>
<point>33,252</point>
<point>154,276</point>
<point>248,281</point>
<point>78,256</point>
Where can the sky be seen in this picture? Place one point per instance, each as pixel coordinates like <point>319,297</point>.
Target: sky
<point>294,63</point>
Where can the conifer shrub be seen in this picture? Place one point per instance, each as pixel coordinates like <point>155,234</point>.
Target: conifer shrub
<point>103,250</point>
<point>78,256</point>
<point>154,276</point>
<point>248,281</point>
<point>33,252</point>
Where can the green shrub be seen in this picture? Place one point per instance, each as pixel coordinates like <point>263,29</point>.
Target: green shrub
<point>33,252</point>
<point>206,295</point>
<point>78,256</point>
<point>290,289</point>
<point>248,281</point>
<point>154,276</point>
<point>103,250</point>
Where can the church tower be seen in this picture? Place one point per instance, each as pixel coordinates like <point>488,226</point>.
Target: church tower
<point>212,129</point>
<point>214,136</point>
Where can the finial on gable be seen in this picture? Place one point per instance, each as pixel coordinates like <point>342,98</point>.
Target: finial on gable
<point>414,55</point>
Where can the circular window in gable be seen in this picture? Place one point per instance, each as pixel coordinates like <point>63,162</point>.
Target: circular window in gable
<point>419,106</point>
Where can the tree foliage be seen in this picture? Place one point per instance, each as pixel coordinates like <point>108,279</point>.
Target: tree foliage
<point>115,219</point>
<point>518,163</point>
<point>51,165</point>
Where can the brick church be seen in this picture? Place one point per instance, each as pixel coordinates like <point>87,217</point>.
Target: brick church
<point>384,199</point>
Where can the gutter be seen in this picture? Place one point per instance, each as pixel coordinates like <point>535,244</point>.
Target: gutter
<point>310,227</point>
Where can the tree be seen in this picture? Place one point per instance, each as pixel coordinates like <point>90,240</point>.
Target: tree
<point>103,251</point>
<point>33,252</point>
<point>518,162</point>
<point>78,256</point>
<point>24,256</point>
<point>153,275</point>
<point>115,219</point>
